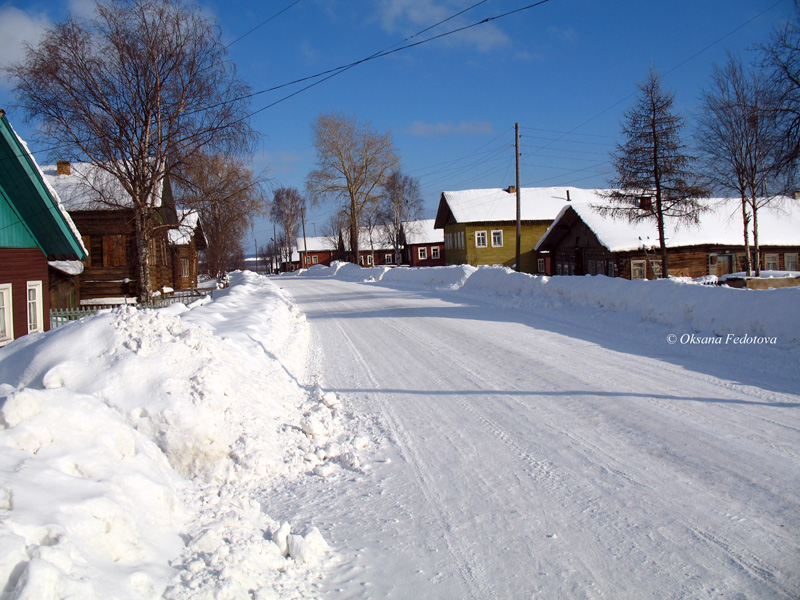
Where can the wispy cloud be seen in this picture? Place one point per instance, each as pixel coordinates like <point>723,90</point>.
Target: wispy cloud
<point>410,15</point>
<point>17,26</point>
<point>567,34</point>
<point>422,129</point>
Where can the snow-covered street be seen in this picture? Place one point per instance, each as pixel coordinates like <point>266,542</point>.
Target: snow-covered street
<point>558,453</point>
<point>437,433</point>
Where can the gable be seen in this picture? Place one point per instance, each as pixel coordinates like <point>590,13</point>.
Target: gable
<point>30,209</point>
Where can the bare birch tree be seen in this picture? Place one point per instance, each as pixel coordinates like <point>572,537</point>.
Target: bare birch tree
<point>353,162</point>
<point>130,92</point>
<point>286,209</point>
<point>739,138</point>
<point>400,204</point>
<point>654,181</point>
<point>228,196</point>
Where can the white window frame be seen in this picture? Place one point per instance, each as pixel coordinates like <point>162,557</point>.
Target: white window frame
<point>435,252</point>
<point>389,258</point>
<point>7,312</point>
<point>314,259</point>
<point>540,265</point>
<point>771,258</point>
<point>370,260</point>
<point>497,243</point>
<point>38,306</point>
<point>422,253</point>
<point>481,240</point>
<point>638,264</point>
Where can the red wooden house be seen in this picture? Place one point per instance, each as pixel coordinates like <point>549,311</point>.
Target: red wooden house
<point>34,231</point>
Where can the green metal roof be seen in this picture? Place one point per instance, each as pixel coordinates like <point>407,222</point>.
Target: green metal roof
<point>31,211</point>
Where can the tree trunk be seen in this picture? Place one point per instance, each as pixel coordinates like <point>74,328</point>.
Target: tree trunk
<point>756,249</point>
<point>143,250</point>
<point>746,222</point>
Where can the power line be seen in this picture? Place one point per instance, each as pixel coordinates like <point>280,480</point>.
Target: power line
<point>280,12</point>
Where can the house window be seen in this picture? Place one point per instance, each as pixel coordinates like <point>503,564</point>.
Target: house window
<point>447,243</point>
<point>540,265</point>
<point>559,269</point>
<point>314,259</point>
<point>185,267</point>
<point>6,315</point>
<point>369,259</point>
<point>164,254</point>
<point>35,308</point>
<point>114,251</point>
<point>638,269</point>
<point>592,268</point>
<point>435,252</point>
<point>462,240</point>
<point>389,259</point>
<point>480,239</point>
<point>361,260</point>
<point>497,238</point>
<point>790,262</point>
<point>771,262</point>
<point>422,253</point>
<point>610,271</point>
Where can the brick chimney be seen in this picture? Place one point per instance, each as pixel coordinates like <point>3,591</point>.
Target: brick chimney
<point>63,167</point>
<point>512,189</point>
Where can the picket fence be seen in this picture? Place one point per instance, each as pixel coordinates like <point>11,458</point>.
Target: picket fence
<point>62,316</point>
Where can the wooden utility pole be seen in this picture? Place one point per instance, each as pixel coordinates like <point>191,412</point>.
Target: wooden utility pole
<point>304,259</point>
<point>519,197</point>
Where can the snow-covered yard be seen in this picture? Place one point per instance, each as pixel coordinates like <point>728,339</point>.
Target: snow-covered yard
<point>437,433</point>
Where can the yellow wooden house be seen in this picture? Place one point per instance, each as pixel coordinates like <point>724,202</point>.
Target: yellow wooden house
<point>480,225</point>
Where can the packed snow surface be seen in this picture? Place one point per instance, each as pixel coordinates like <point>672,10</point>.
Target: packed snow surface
<point>408,433</point>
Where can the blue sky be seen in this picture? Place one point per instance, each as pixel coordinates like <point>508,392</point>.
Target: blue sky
<point>565,70</point>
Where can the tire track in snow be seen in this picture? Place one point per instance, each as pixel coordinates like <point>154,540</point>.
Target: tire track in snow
<point>472,572</point>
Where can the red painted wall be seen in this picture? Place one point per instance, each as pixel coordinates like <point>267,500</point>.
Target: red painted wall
<point>18,266</point>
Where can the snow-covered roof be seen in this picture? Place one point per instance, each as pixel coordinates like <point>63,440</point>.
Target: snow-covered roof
<point>377,238</point>
<point>721,225</point>
<point>493,205</point>
<point>183,234</point>
<point>79,190</point>
<point>422,232</point>
<point>316,244</point>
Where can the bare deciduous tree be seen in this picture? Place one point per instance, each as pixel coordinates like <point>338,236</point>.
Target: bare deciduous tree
<point>400,204</point>
<point>781,56</point>
<point>227,196</point>
<point>130,91</point>
<point>653,181</point>
<point>286,209</point>
<point>739,138</point>
<point>353,162</point>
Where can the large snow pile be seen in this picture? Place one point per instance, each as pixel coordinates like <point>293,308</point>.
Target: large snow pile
<point>139,449</point>
<point>710,310</point>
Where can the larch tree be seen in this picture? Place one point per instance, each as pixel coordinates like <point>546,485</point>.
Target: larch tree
<point>401,203</point>
<point>136,90</point>
<point>653,177</point>
<point>353,162</point>
<point>227,195</point>
<point>287,209</point>
<point>739,137</point>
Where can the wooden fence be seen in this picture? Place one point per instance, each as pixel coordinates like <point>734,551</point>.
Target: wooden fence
<point>62,316</point>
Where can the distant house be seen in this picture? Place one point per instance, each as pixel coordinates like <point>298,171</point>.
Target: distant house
<point>374,247</point>
<point>315,251</point>
<point>108,232</point>
<point>582,242</point>
<point>480,225</point>
<point>423,244</point>
<point>38,240</point>
<point>186,242</point>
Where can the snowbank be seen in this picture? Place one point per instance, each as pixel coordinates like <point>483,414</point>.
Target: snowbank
<point>681,303</point>
<point>139,448</point>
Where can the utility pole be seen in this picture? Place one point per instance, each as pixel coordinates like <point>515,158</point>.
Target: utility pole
<point>519,197</point>
<point>304,258</point>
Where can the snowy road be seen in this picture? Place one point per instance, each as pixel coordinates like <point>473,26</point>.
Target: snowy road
<point>537,456</point>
